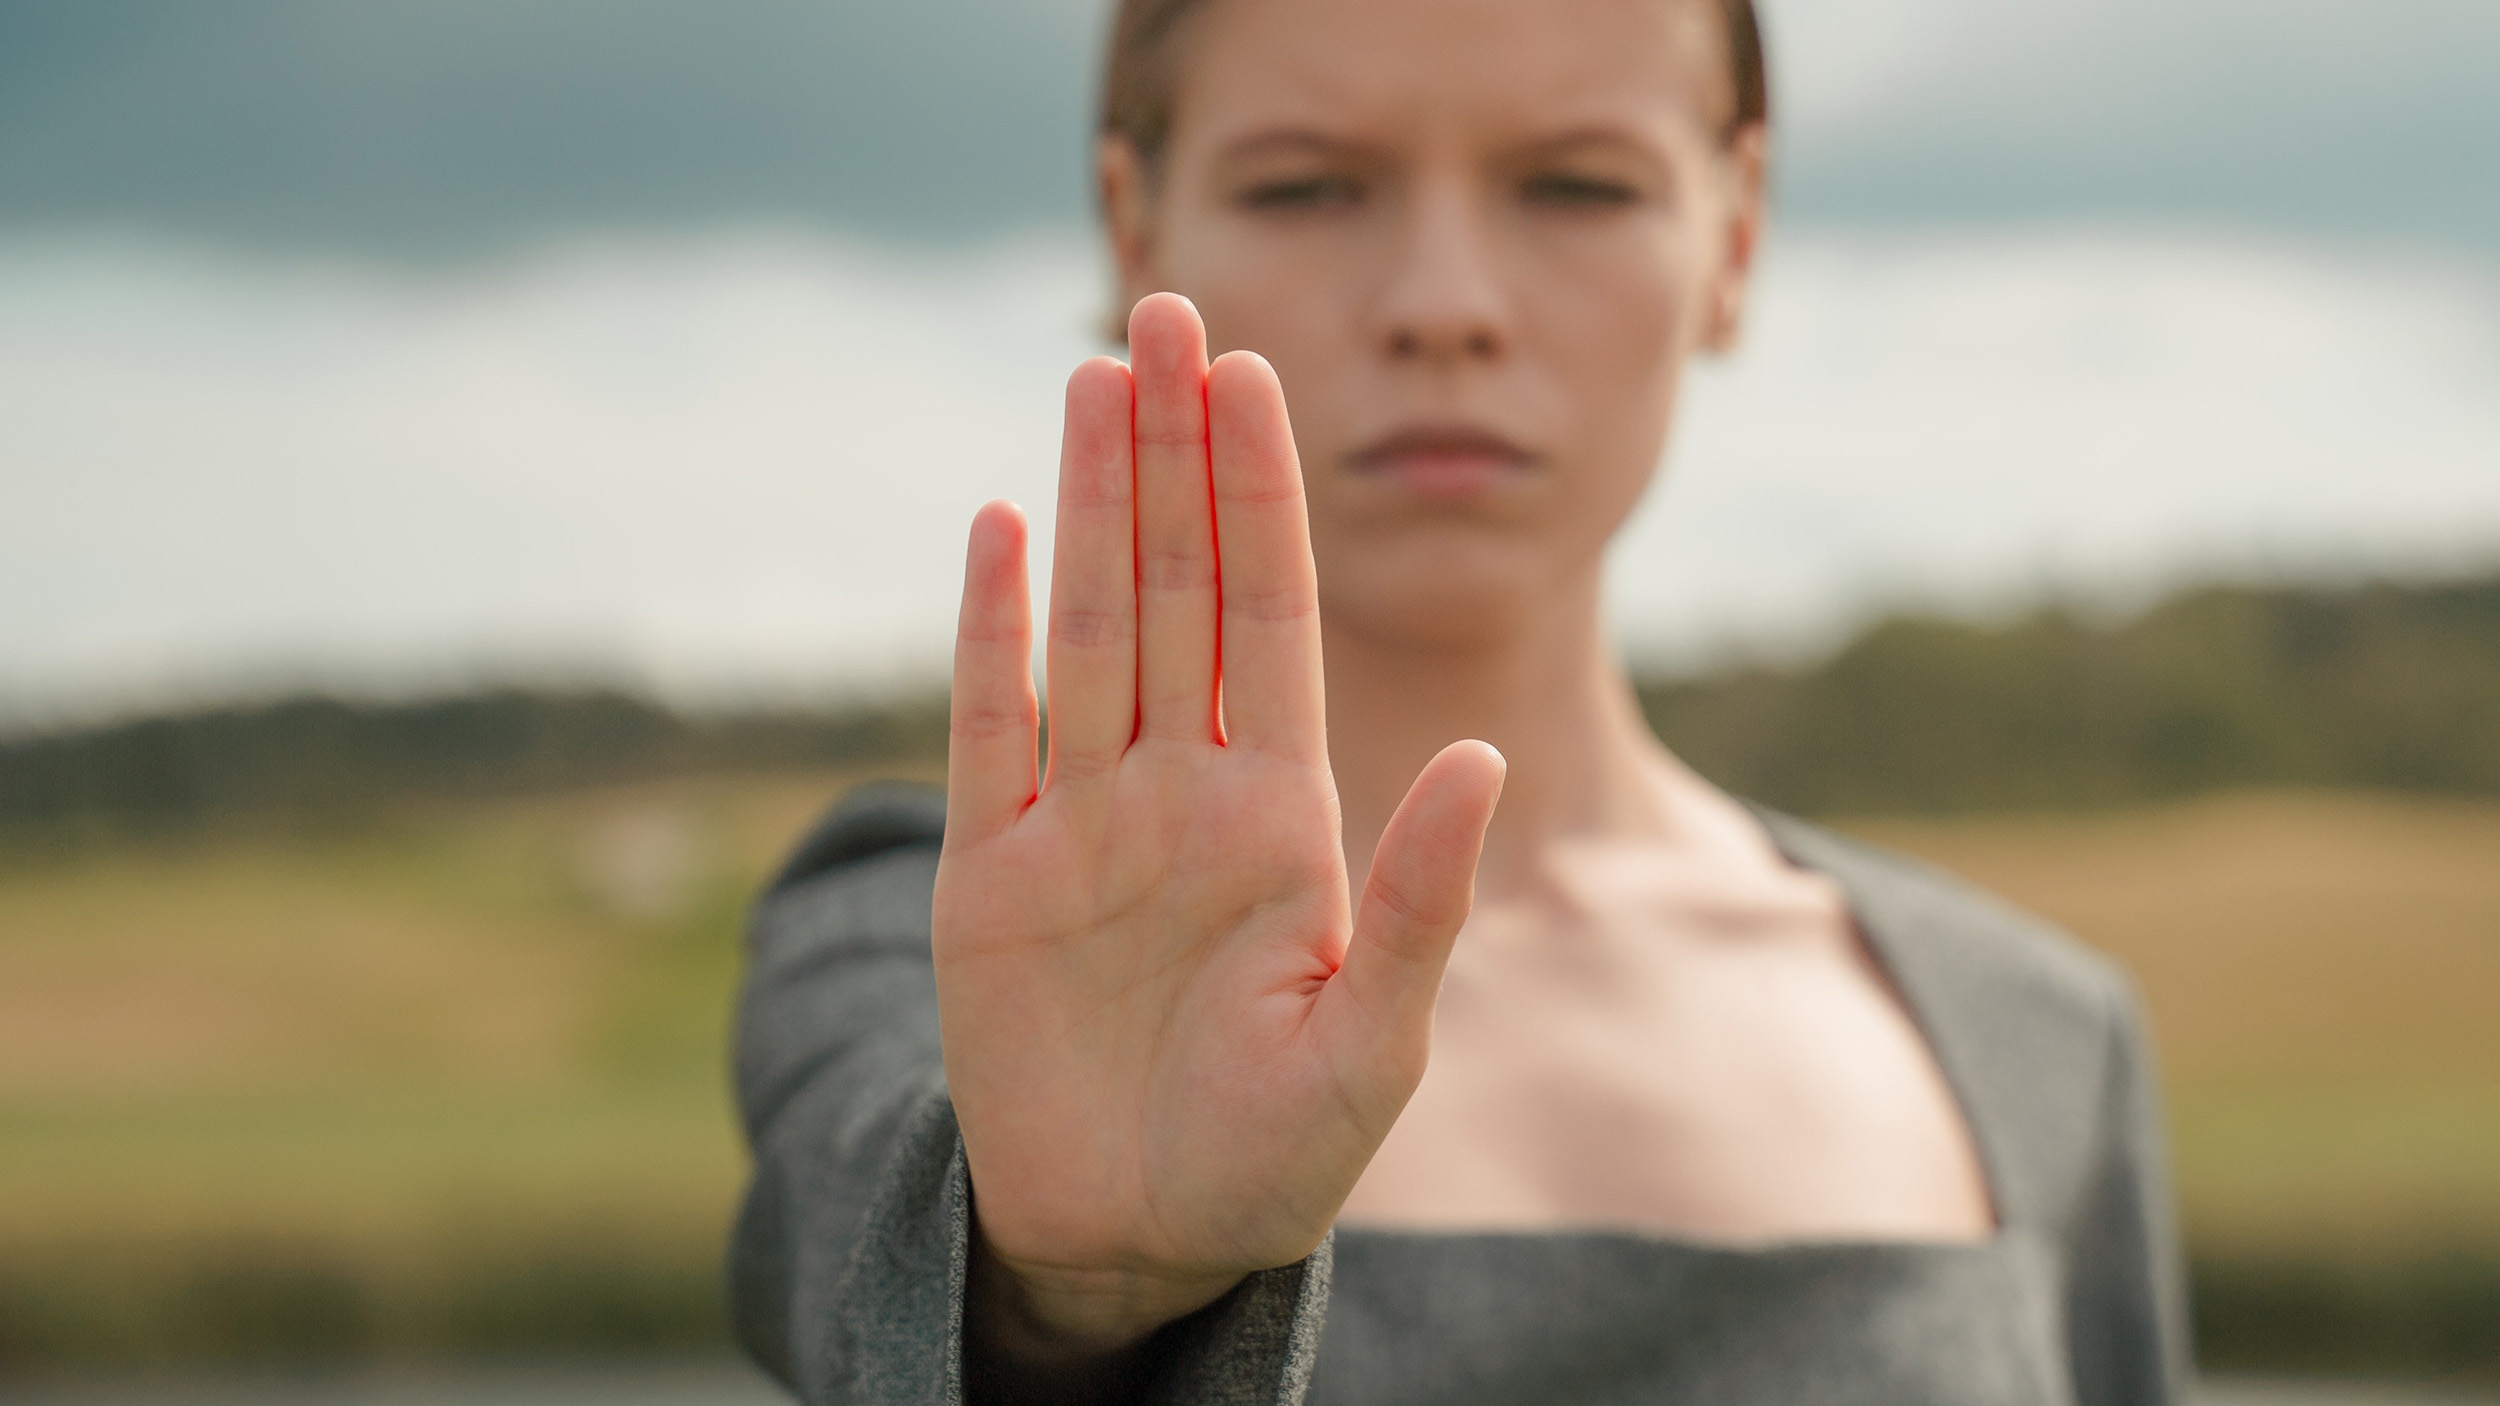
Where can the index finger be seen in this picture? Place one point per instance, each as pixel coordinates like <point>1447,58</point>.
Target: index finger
<point>1093,579</point>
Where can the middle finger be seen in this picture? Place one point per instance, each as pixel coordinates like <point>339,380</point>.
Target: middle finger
<point>1176,565</point>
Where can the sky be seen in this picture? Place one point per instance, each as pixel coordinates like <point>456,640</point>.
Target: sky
<point>406,344</point>
<point>427,128</point>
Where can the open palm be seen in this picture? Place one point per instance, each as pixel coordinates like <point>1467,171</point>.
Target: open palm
<point>1171,1041</point>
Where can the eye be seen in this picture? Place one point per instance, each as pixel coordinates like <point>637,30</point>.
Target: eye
<point>1302,193</point>
<point>1575,191</point>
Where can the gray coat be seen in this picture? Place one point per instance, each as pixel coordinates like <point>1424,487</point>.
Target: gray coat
<point>848,1261</point>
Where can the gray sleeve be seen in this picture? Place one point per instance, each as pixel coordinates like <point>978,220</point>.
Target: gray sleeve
<point>2127,1320</point>
<point>847,1263</point>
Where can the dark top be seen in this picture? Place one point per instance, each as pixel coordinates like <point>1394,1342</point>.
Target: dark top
<point>847,1264</point>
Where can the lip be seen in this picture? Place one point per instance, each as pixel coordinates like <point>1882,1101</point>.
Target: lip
<point>1445,461</point>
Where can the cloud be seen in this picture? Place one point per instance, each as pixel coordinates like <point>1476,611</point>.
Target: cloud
<point>2350,117</point>
<point>1987,420</point>
<point>407,128</point>
<point>425,128</point>
<point>739,463</point>
<point>731,467</point>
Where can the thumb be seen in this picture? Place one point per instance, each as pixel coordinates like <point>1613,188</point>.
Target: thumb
<point>1421,886</point>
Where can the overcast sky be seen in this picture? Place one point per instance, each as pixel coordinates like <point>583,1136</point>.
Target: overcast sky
<point>454,126</point>
<point>397,343</point>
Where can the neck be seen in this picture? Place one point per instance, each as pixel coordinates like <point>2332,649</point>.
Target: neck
<point>1550,694</point>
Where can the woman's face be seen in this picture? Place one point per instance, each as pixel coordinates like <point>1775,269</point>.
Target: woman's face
<point>1478,239</point>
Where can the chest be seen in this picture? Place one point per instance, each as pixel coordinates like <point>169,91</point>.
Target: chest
<point>1757,1085</point>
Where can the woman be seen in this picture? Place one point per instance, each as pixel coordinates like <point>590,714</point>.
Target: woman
<point>1719,1107</point>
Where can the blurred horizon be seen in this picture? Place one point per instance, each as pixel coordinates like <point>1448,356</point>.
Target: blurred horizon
<point>403,348</point>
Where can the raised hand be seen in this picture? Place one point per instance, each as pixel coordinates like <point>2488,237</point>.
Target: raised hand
<point>1171,1044</point>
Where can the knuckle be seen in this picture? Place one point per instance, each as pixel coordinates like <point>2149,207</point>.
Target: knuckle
<point>1080,764</point>
<point>1175,571</point>
<point>1000,634</point>
<point>1092,629</point>
<point>1106,498</point>
<point>1263,493</point>
<point>975,722</point>
<point>1277,605</point>
<point>1410,918</point>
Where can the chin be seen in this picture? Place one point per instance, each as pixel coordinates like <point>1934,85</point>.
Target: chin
<point>1436,596</point>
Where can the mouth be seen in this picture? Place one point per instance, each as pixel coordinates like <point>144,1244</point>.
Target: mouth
<point>1445,461</point>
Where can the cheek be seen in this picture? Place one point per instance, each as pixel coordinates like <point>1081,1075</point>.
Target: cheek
<point>1277,295</point>
<point>1617,316</point>
<point>1293,297</point>
<point>1613,321</point>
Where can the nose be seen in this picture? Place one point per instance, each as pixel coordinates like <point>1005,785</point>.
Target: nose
<point>1443,305</point>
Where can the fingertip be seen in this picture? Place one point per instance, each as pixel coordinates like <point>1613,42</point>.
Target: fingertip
<point>998,515</point>
<point>1164,303</point>
<point>998,532</point>
<point>1476,771</point>
<point>995,598</point>
<point>1166,320</point>
<point>1245,397</point>
<point>1245,379</point>
<point>1249,362</point>
<point>1473,755</point>
<point>1501,776</point>
<point>1097,375</point>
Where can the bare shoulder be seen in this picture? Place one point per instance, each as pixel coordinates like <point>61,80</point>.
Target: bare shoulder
<point>2042,1036</point>
<point>1919,913</point>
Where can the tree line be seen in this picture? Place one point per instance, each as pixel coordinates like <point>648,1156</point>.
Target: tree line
<point>2382,685</point>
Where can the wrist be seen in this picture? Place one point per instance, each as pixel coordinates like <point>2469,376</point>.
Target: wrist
<point>1081,1320</point>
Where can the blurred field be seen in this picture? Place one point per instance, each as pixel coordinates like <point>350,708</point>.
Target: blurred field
<point>2323,973</point>
<point>440,1084</point>
<point>452,1082</point>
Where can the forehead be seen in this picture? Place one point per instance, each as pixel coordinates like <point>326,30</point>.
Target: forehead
<point>1519,67</point>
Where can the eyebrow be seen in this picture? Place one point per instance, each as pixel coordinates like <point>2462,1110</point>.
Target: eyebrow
<point>1602,134</point>
<point>1291,139</point>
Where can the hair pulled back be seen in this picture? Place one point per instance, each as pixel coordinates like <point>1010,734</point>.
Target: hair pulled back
<point>1137,87</point>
